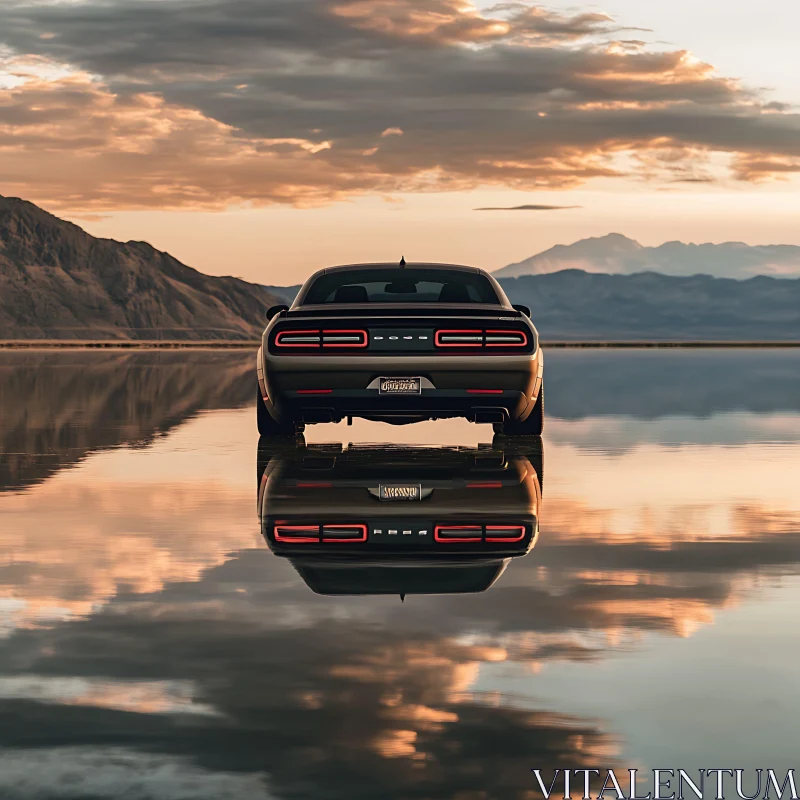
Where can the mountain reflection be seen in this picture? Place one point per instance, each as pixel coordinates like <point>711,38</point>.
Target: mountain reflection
<point>55,407</point>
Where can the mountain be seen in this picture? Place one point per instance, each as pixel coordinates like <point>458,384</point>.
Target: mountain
<point>573,305</point>
<point>58,282</point>
<point>617,254</point>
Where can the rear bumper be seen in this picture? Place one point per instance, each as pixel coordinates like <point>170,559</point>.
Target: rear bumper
<point>328,388</point>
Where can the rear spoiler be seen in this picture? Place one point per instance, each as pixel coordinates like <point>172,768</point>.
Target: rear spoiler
<point>418,311</point>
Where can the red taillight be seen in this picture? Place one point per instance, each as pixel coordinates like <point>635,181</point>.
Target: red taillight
<point>313,340</point>
<point>344,533</point>
<point>458,533</point>
<point>298,339</point>
<point>493,485</point>
<point>308,534</point>
<point>314,391</point>
<point>471,534</point>
<point>296,534</point>
<point>458,338</point>
<point>356,338</point>
<point>505,533</point>
<point>484,391</point>
<point>506,338</point>
<point>452,337</point>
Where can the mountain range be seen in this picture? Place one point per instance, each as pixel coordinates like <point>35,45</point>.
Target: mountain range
<point>617,254</point>
<point>58,282</point>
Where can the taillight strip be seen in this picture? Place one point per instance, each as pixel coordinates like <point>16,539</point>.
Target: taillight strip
<point>439,537</point>
<point>284,533</point>
<point>298,339</point>
<point>452,337</point>
<point>308,534</point>
<point>506,338</point>
<point>489,533</point>
<point>345,338</point>
<point>362,528</point>
<point>456,338</point>
<point>497,528</point>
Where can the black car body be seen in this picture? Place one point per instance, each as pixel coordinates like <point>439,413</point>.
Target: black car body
<point>400,344</point>
<point>399,520</point>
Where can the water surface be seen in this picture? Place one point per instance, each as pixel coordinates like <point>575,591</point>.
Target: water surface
<point>154,647</point>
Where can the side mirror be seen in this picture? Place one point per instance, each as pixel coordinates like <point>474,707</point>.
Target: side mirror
<point>523,309</point>
<point>275,310</point>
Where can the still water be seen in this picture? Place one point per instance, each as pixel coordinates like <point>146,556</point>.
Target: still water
<point>152,646</point>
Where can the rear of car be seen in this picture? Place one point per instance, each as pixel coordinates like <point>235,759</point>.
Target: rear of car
<point>400,344</point>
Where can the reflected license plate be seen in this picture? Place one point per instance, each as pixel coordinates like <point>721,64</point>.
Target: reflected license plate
<point>400,386</point>
<point>406,491</point>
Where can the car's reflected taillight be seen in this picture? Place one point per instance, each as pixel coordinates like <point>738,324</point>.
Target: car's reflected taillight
<point>472,533</point>
<point>458,533</point>
<point>296,534</point>
<point>505,533</point>
<point>309,534</point>
<point>344,533</point>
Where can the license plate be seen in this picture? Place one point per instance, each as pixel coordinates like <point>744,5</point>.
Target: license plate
<point>400,386</point>
<point>406,491</point>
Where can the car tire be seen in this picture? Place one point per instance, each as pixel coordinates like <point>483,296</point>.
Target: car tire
<point>533,425</point>
<point>268,426</point>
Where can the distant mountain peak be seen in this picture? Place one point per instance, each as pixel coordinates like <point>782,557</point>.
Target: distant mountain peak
<point>612,237</point>
<point>615,253</point>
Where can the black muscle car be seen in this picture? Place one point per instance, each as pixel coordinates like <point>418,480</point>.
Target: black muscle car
<point>399,344</point>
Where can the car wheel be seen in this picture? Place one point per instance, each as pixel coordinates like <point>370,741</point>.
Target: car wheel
<point>532,426</point>
<point>267,425</point>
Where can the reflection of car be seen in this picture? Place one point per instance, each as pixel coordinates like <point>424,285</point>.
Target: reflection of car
<point>400,344</point>
<point>399,520</point>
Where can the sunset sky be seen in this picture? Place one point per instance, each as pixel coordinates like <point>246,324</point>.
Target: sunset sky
<point>267,138</point>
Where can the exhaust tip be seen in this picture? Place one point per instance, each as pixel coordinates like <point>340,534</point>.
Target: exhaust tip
<point>489,414</point>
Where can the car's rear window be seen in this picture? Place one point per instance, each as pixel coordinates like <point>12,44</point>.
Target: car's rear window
<point>401,285</point>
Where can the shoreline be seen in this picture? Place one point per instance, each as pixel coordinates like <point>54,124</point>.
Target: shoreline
<point>141,344</point>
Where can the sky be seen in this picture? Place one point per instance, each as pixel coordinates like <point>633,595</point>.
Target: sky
<point>268,138</point>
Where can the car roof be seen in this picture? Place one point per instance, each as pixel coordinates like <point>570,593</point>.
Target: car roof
<point>396,265</point>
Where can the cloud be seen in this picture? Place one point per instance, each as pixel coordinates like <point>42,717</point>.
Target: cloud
<point>528,207</point>
<point>204,104</point>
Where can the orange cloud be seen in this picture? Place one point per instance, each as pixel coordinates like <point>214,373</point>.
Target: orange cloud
<point>152,106</point>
